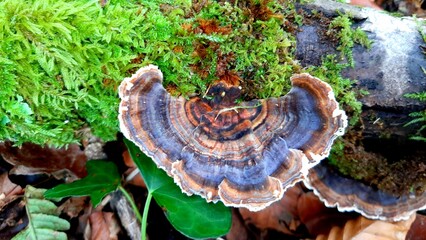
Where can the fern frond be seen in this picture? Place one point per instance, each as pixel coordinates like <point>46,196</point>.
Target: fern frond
<point>43,220</point>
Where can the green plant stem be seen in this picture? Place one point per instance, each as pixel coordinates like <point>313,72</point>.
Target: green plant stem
<point>145,215</point>
<point>132,203</point>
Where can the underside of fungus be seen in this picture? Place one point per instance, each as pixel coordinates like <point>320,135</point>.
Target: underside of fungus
<point>348,194</point>
<point>243,154</point>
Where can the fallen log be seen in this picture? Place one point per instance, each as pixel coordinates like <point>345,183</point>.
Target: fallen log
<point>391,68</point>
<point>378,152</point>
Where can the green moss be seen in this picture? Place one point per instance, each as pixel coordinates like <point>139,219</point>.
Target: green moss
<point>341,28</point>
<point>62,61</point>
<point>259,46</point>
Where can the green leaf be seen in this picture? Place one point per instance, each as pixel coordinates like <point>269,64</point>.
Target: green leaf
<point>102,179</point>
<point>43,222</point>
<point>41,206</point>
<point>45,234</point>
<point>192,216</point>
<point>49,222</point>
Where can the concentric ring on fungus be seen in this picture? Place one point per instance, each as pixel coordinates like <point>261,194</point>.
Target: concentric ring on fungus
<point>245,154</point>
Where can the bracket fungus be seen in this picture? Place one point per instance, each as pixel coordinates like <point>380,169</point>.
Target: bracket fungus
<point>348,194</point>
<point>245,154</point>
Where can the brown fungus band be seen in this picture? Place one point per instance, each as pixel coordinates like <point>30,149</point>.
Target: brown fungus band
<point>244,154</point>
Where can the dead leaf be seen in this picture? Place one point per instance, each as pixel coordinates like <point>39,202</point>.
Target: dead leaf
<point>318,218</point>
<point>74,206</point>
<point>132,174</point>
<point>418,228</point>
<point>7,188</point>
<point>238,229</point>
<point>12,216</point>
<point>45,159</point>
<point>367,229</point>
<point>281,216</point>
<point>102,225</point>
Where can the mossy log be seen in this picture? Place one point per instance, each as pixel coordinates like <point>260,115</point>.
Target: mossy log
<point>378,151</point>
<point>391,68</point>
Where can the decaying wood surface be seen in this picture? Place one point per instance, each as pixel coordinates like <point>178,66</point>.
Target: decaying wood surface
<point>390,69</point>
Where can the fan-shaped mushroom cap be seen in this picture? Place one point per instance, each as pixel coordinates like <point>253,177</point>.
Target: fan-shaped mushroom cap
<point>244,154</point>
<point>348,194</point>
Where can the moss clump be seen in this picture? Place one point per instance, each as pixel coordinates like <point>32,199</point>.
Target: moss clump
<point>246,41</point>
<point>341,28</point>
<point>61,62</point>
